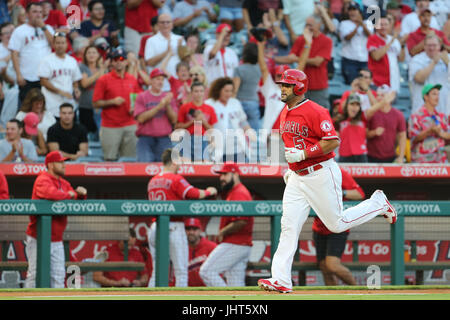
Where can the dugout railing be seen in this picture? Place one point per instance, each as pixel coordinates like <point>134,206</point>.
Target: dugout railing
<point>163,210</point>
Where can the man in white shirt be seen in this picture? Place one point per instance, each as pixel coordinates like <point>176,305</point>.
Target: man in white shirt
<point>29,43</point>
<point>430,66</point>
<point>220,60</point>
<point>354,33</point>
<point>159,46</point>
<point>59,75</point>
<point>14,148</point>
<point>411,22</point>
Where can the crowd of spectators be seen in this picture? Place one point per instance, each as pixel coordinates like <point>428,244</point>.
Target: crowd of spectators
<point>71,77</point>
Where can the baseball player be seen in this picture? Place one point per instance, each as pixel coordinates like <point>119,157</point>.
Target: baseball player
<point>313,179</point>
<point>329,245</point>
<point>168,185</point>
<point>50,185</point>
<point>199,249</point>
<point>230,257</point>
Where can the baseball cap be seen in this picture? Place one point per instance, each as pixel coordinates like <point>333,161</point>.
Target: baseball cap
<point>354,98</point>
<point>31,122</point>
<point>353,5</point>
<point>221,26</point>
<point>157,72</point>
<point>428,87</point>
<point>229,167</point>
<point>192,222</point>
<point>117,53</point>
<point>54,156</point>
<point>393,5</point>
<point>384,88</point>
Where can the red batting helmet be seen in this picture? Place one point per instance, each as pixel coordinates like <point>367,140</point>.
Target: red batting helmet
<point>297,78</point>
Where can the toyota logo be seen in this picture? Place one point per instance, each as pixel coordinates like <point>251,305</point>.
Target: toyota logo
<point>59,207</point>
<point>215,168</point>
<point>197,207</point>
<point>152,170</point>
<point>128,207</point>
<point>20,169</point>
<point>262,208</point>
<point>407,171</point>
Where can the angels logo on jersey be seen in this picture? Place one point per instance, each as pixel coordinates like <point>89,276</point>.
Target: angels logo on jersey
<point>326,126</point>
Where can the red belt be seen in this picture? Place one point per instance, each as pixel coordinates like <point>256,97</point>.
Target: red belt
<point>304,172</point>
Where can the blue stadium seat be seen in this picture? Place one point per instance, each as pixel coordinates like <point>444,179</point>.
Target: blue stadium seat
<point>127,159</point>
<point>89,159</point>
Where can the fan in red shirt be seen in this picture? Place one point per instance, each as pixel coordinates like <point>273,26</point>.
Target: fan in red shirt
<point>196,117</point>
<point>199,249</point>
<point>112,94</point>
<point>330,246</point>
<point>123,278</point>
<point>235,236</point>
<point>312,51</point>
<point>168,185</point>
<point>50,185</point>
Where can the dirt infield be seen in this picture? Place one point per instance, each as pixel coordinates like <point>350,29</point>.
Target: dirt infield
<point>231,293</point>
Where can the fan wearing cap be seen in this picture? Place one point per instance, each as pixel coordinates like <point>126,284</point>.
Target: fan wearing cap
<point>416,39</point>
<point>429,129</point>
<point>411,21</point>
<point>31,132</point>
<point>199,250</point>
<point>386,131</point>
<point>51,185</point>
<point>168,185</point>
<point>219,59</point>
<point>59,75</point>
<point>315,49</point>
<point>156,113</point>
<point>112,94</point>
<point>230,257</point>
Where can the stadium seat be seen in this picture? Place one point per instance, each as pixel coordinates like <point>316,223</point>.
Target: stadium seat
<point>127,159</point>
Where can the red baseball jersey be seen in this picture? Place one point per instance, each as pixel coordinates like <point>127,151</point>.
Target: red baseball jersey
<point>170,186</point>
<point>198,255</point>
<point>303,126</point>
<point>244,236</point>
<point>348,183</point>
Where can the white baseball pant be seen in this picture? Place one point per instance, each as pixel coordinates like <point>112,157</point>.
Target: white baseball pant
<point>320,190</point>
<point>229,259</point>
<point>57,263</point>
<point>178,252</point>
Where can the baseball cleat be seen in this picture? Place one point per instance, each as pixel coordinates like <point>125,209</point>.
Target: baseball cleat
<point>269,285</point>
<point>389,211</point>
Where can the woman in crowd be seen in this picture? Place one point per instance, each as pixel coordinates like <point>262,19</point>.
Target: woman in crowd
<point>92,68</point>
<point>35,102</point>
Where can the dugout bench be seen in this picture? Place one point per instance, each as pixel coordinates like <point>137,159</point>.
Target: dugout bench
<point>415,229</point>
<point>12,228</point>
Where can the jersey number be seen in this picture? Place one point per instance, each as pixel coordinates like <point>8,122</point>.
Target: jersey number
<point>157,195</point>
<point>299,143</point>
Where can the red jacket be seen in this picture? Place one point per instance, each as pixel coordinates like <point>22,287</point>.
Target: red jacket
<point>47,187</point>
<point>4,190</point>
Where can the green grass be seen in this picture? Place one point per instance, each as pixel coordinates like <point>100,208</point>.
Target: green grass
<point>247,293</point>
